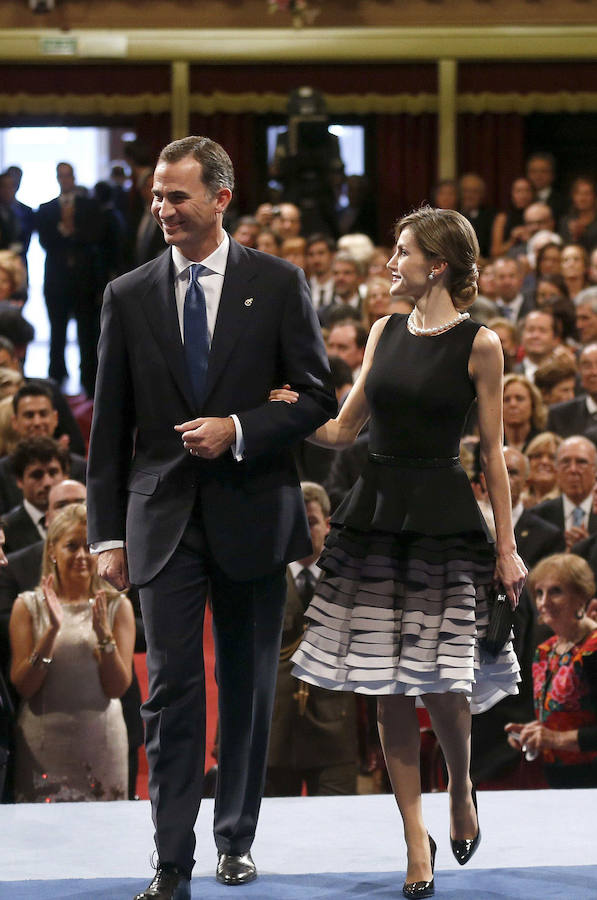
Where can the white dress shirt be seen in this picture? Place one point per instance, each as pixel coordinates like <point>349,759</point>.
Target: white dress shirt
<point>37,516</point>
<point>569,507</point>
<point>297,567</point>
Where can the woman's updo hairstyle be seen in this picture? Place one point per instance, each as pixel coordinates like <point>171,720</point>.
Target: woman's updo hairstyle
<point>447,235</point>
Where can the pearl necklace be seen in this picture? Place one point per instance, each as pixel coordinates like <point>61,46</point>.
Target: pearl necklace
<point>414,329</point>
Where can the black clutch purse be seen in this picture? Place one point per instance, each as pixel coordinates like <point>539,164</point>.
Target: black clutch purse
<point>500,622</point>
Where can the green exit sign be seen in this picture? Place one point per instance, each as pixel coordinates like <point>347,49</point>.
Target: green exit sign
<point>58,46</point>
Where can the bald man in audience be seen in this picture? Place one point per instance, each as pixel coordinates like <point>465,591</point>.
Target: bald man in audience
<point>572,512</point>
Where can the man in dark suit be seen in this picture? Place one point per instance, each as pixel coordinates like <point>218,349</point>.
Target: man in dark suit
<point>472,205</point>
<point>511,302</point>
<point>34,416</point>
<point>69,230</point>
<point>38,463</point>
<point>572,512</point>
<point>579,416</point>
<point>191,466</point>
<point>314,736</point>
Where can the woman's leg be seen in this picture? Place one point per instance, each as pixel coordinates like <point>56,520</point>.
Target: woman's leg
<point>451,719</point>
<point>399,732</point>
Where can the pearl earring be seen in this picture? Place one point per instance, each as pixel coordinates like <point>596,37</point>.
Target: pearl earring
<point>431,276</point>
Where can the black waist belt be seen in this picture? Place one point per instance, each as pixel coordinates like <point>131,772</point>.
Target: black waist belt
<point>414,462</point>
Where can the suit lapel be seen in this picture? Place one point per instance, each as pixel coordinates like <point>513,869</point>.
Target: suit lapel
<point>232,312</point>
<point>159,305</point>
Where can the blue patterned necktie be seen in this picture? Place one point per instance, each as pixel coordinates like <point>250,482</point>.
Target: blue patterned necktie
<point>196,334</point>
<point>578,516</point>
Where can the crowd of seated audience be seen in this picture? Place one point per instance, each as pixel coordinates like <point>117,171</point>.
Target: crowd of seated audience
<point>537,291</point>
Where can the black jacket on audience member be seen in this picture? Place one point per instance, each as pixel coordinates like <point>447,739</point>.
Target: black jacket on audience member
<point>553,511</point>
<point>571,417</point>
<point>537,538</point>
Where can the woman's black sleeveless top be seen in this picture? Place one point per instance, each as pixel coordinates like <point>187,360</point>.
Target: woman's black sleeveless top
<point>419,393</point>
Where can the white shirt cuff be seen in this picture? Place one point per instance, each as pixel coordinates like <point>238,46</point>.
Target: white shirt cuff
<point>238,447</point>
<point>100,546</point>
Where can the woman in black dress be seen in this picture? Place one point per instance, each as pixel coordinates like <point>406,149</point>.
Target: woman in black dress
<point>402,603</point>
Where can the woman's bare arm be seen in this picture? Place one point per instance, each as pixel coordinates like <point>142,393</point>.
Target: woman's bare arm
<point>486,369</point>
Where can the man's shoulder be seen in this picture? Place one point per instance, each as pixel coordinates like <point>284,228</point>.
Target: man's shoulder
<point>261,260</point>
<point>567,408</point>
<point>16,515</point>
<point>149,270</point>
<point>529,519</point>
<point>548,506</point>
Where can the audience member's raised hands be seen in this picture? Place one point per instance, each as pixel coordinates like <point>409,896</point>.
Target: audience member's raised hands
<point>99,616</point>
<point>52,602</point>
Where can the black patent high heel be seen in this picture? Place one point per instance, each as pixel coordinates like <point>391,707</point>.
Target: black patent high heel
<point>421,889</point>
<point>463,850</point>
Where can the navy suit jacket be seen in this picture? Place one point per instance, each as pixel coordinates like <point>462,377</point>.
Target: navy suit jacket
<point>142,483</point>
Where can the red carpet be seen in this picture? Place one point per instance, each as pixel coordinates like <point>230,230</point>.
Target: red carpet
<point>211,692</point>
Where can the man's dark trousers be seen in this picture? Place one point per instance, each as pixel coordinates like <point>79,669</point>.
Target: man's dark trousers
<point>248,620</point>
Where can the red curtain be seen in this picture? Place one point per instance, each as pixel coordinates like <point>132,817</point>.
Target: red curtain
<point>406,166</point>
<point>492,144</point>
<point>236,133</point>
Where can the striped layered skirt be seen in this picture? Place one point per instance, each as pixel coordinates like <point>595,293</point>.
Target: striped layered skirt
<point>404,613</point>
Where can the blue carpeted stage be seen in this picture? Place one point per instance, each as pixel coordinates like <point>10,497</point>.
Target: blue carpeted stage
<point>536,844</point>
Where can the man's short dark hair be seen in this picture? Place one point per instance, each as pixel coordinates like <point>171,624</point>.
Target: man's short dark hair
<point>360,332</point>
<point>216,166</point>
<point>321,238</point>
<point>341,372</point>
<point>32,389</point>
<point>545,155</point>
<point>340,314</point>
<point>39,449</point>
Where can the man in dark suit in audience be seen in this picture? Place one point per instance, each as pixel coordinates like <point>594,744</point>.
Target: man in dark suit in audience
<point>579,416</point>
<point>572,512</point>
<point>313,738</point>
<point>190,467</point>
<point>38,464</point>
<point>69,229</point>
<point>34,416</point>
<point>472,205</point>
<point>511,302</point>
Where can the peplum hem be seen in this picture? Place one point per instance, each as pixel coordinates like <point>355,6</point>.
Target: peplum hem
<point>404,613</point>
<point>432,501</point>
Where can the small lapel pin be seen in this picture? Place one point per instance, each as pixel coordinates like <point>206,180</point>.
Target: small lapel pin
<point>248,301</point>
<point>524,534</point>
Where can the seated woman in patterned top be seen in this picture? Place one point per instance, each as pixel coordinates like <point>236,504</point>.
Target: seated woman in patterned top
<point>564,675</point>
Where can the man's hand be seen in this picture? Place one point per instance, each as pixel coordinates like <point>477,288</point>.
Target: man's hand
<point>209,437</point>
<point>112,566</point>
<point>574,535</point>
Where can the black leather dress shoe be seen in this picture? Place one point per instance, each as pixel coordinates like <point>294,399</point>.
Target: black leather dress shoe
<point>463,850</point>
<point>235,869</point>
<point>170,883</point>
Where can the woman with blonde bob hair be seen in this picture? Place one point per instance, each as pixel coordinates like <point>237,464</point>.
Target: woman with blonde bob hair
<point>541,483</point>
<point>72,642</point>
<point>564,731</point>
<point>525,414</point>
<point>408,565</point>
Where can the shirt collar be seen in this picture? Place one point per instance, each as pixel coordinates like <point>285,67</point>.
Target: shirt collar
<point>586,505</point>
<point>215,262</point>
<point>591,405</point>
<point>37,515</point>
<point>296,567</point>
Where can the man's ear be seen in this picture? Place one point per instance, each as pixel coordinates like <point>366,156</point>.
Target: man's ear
<point>223,198</point>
